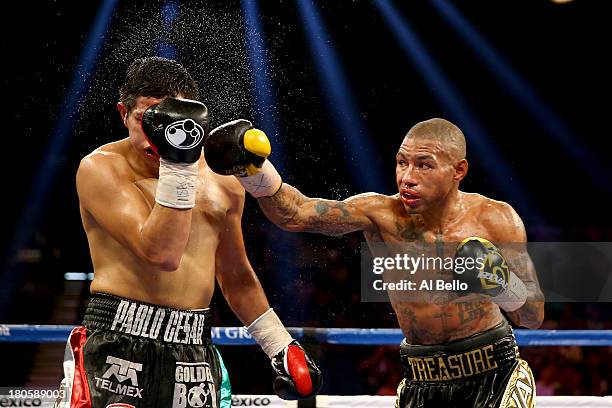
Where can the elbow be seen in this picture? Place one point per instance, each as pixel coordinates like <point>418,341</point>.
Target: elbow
<point>532,325</point>
<point>536,322</point>
<point>531,316</point>
<point>290,227</point>
<point>166,264</point>
<point>288,224</point>
<point>287,221</point>
<point>535,312</point>
<point>163,262</point>
<point>169,265</point>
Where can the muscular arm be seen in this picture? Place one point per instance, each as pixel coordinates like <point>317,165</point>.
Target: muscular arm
<point>235,275</point>
<point>156,235</point>
<point>512,238</point>
<point>293,211</point>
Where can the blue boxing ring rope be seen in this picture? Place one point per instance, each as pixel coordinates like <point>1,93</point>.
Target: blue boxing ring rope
<point>228,336</point>
<point>237,336</point>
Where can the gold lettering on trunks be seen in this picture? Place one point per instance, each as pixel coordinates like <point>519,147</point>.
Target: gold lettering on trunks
<point>453,366</point>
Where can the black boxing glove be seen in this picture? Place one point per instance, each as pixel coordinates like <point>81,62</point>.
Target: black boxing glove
<point>297,376</point>
<point>236,148</point>
<point>481,265</point>
<point>176,129</point>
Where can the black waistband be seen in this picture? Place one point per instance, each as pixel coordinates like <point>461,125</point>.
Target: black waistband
<point>462,358</point>
<point>144,320</point>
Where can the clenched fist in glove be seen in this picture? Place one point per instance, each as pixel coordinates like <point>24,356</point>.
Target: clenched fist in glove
<point>297,376</point>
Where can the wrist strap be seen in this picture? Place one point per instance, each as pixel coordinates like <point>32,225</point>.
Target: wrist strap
<point>265,182</point>
<point>514,296</point>
<point>177,184</point>
<point>269,332</point>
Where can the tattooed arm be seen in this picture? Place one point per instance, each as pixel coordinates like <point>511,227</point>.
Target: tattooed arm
<point>510,233</point>
<point>293,211</point>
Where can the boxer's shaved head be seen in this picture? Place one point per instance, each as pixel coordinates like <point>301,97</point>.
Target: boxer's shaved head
<point>449,136</point>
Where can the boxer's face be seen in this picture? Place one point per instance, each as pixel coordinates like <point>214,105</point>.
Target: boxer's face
<point>132,119</point>
<point>424,174</point>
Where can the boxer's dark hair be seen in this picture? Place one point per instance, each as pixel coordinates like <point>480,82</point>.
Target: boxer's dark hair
<point>157,77</point>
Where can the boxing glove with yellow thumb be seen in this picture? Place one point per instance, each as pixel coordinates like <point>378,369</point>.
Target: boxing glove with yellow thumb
<point>236,148</point>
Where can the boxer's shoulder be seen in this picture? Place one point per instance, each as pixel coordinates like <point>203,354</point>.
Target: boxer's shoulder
<point>372,202</point>
<point>223,188</point>
<point>482,204</point>
<point>111,162</point>
<point>498,217</point>
<point>106,161</point>
<point>494,209</point>
<point>229,184</point>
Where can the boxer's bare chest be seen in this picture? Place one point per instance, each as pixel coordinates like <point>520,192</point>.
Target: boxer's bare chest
<point>396,226</point>
<point>432,316</point>
<point>212,204</point>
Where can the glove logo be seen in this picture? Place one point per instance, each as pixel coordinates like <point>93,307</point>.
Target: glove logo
<point>495,272</point>
<point>184,134</point>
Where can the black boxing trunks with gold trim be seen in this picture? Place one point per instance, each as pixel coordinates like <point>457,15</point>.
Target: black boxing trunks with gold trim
<point>133,354</point>
<point>483,370</point>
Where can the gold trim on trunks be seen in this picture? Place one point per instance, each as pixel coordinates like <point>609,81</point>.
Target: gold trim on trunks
<point>521,389</point>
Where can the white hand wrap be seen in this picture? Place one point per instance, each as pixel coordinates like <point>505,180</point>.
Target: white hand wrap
<point>269,332</point>
<point>514,297</point>
<point>177,184</point>
<point>264,183</point>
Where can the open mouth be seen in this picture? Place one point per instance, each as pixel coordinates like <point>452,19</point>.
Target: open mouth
<point>410,197</point>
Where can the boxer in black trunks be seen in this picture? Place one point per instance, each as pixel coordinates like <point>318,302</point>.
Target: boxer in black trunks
<point>459,350</point>
<point>161,228</point>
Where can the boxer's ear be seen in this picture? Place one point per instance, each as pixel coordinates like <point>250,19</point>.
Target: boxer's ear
<point>122,112</point>
<point>461,169</point>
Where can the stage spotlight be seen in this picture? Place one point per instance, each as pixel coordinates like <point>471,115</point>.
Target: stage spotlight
<point>51,161</point>
<point>265,103</point>
<point>340,101</point>
<point>456,108</point>
<point>170,12</point>
<point>554,125</point>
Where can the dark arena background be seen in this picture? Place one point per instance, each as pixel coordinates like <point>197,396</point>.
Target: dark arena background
<point>336,85</point>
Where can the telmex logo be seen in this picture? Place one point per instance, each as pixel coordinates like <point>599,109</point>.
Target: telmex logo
<point>247,401</point>
<point>230,333</point>
<point>122,370</point>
